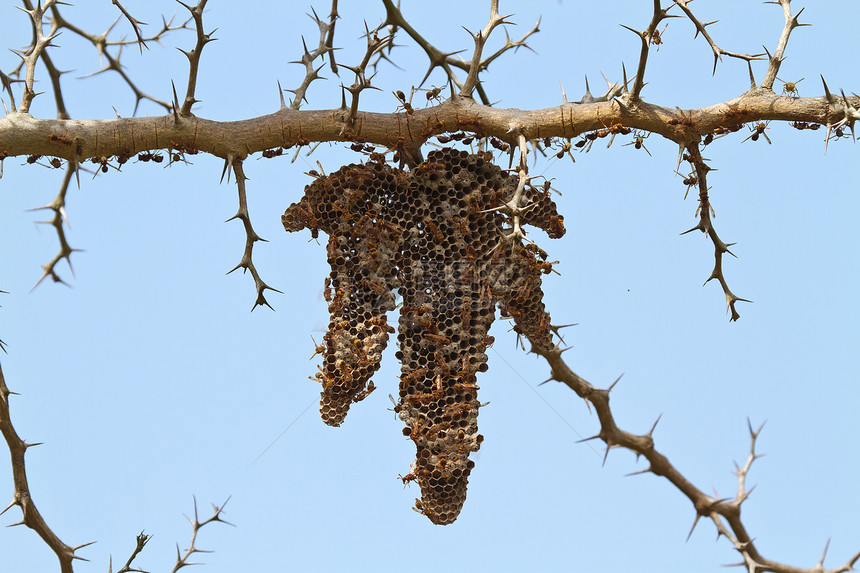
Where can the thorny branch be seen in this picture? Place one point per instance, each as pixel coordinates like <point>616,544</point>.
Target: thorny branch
<point>618,111</point>
<point>194,55</point>
<point>101,43</point>
<point>135,25</point>
<point>312,73</point>
<point>718,51</point>
<point>182,558</point>
<point>648,36</point>
<point>329,39</point>
<point>251,237</point>
<point>21,497</point>
<point>141,541</point>
<point>705,225</point>
<point>720,511</point>
<point>446,60</point>
<point>58,206</point>
<point>375,44</point>
<point>778,56</point>
<point>31,56</point>
<point>480,39</point>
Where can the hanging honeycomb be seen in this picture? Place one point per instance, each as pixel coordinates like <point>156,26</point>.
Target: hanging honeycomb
<point>434,235</point>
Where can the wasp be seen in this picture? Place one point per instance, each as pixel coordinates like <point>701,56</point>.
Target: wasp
<point>318,348</point>
<point>60,139</point>
<point>565,148</point>
<point>434,230</point>
<point>657,37</point>
<point>439,339</point>
<point>406,105</point>
<point>374,286</point>
<point>412,376</point>
<point>804,125</point>
<point>790,88</point>
<point>757,130</point>
<point>433,94</point>
<point>499,144</point>
<point>364,393</point>
<point>456,410</point>
<point>735,113</point>
<point>150,156</point>
<point>639,141</point>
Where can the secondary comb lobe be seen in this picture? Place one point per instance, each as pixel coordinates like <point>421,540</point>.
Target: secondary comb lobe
<point>434,235</point>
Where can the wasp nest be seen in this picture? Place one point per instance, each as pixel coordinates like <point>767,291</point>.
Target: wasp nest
<point>435,236</point>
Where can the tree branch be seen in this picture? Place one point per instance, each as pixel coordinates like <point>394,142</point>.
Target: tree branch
<point>251,237</point>
<point>194,55</point>
<point>704,505</point>
<point>21,497</point>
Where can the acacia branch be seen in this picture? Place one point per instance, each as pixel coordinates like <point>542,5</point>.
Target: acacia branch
<point>141,541</point>
<point>480,39</point>
<point>58,207</point>
<point>447,61</point>
<point>395,19</point>
<point>375,44</point>
<point>329,39</point>
<point>311,73</point>
<point>251,237</point>
<point>32,55</point>
<point>648,36</point>
<point>718,51</point>
<point>194,55</point>
<point>705,225</point>
<point>719,511</point>
<point>21,497</point>
<point>135,25</point>
<point>182,558</point>
<point>778,56</point>
<point>101,43</point>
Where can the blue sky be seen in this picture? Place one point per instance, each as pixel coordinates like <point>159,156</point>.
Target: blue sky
<point>149,382</point>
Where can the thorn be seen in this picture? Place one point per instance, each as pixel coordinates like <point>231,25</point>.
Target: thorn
<point>637,32</point>
<point>624,76</point>
<point>645,471</point>
<point>587,439</point>
<point>695,522</point>
<point>606,454</point>
<point>614,383</point>
<point>550,379</point>
<point>657,421</point>
<point>281,95</point>
<point>563,94</point>
<point>827,95</point>
<point>12,504</point>
<point>754,434</point>
<point>587,98</point>
<point>81,547</point>
<point>824,554</point>
<point>228,162</point>
<point>175,104</point>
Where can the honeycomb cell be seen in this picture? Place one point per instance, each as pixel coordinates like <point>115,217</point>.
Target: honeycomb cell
<point>434,236</point>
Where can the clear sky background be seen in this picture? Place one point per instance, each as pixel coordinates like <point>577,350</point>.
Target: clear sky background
<point>149,382</point>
